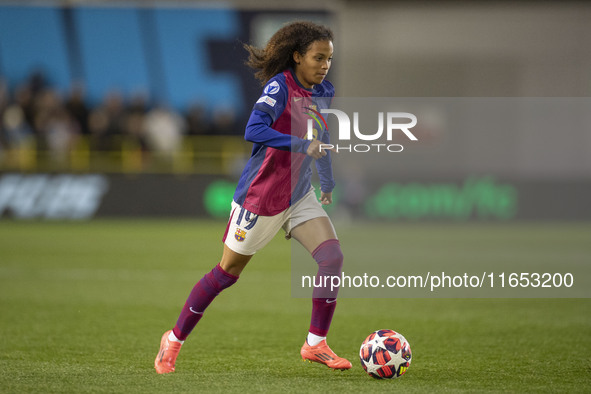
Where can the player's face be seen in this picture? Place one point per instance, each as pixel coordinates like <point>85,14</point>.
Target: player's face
<point>311,68</point>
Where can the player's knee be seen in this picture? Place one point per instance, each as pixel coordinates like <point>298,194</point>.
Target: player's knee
<point>221,279</point>
<point>329,257</point>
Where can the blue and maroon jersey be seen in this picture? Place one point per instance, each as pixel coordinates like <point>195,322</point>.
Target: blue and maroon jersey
<point>279,172</point>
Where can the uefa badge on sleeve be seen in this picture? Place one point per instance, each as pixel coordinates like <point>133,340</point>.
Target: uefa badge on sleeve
<point>240,235</point>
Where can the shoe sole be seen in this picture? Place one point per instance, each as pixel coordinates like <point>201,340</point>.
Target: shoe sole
<point>328,366</point>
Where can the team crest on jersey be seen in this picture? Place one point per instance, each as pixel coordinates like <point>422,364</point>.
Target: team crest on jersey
<point>240,235</point>
<point>272,88</point>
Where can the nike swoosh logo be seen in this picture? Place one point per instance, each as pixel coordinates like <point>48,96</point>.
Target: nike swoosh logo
<point>297,98</point>
<point>197,313</point>
<point>331,301</point>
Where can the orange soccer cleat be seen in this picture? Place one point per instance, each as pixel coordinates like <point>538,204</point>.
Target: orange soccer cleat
<point>322,354</point>
<point>166,358</point>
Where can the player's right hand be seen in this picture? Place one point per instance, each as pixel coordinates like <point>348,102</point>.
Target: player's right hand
<point>316,150</point>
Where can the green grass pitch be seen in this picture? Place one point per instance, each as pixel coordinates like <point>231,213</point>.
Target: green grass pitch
<point>83,306</point>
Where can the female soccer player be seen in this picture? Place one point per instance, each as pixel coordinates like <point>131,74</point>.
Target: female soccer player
<point>274,190</point>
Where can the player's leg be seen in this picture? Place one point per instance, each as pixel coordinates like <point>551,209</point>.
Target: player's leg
<point>317,235</point>
<point>222,276</point>
<point>244,236</point>
<point>313,232</point>
<point>232,262</point>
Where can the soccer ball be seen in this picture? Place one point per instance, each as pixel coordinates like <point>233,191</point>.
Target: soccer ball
<point>385,354</point>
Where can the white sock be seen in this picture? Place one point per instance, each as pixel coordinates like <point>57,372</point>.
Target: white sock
<point>172,337</point>
<point>314,339</point>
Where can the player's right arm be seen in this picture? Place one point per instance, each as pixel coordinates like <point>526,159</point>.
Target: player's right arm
<point>259,131</point>
<point>316,150</point>
<point>266,111</point>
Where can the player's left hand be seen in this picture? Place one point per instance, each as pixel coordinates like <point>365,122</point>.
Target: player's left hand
<point>325,198</point>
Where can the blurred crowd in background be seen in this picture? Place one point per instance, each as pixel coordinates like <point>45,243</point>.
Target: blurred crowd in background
<point>34,115</point>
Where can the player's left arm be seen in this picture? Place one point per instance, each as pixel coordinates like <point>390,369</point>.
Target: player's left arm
<point>324,164</point>
<point>324,168</point>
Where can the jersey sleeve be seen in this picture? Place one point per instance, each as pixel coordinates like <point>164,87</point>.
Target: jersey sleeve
<point>259,131</point>
<point>274,98</point>
<point>324,164</point>
<point>324,167</point>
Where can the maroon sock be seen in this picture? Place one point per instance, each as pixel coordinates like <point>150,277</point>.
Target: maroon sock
<point>329,257</point>
<point>200,297</point>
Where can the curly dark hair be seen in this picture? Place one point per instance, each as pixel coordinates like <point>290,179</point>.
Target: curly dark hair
<point>278,54</point>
